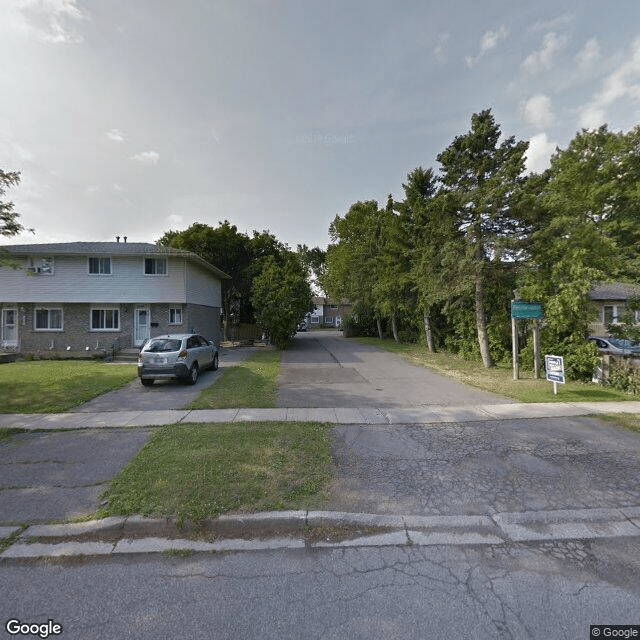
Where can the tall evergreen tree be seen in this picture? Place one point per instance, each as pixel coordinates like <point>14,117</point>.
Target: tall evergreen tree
<point>483,176</point>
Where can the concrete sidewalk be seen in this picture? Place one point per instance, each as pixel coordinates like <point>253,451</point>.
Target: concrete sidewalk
<point>362,415</point>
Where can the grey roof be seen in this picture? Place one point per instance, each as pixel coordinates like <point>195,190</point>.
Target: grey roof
<point>108,249</point>
<point>614,291</point>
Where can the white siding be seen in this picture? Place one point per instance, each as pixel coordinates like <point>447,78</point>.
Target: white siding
<point>203,287</point>
<point>71,282</point>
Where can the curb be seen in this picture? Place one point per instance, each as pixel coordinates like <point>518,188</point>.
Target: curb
<point>116,536</point>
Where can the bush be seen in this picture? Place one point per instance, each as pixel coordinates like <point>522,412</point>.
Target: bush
<point>624,376</point>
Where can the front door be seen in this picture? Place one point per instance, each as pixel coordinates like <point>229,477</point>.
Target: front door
<point>142,327</point>
<point>9,328</point>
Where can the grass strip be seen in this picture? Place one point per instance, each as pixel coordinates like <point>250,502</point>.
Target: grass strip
<point>499,379</point>
<point>196,471</point>
<point>630,421</point>
<point>46,386</point>
<point>249,384</point>
<point>7,432</point>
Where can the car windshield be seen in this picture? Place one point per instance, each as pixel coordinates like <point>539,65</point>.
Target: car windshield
<point>163,346</point>
<point>622,344</point>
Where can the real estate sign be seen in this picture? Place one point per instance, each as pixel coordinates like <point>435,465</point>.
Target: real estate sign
<point>554,366</point>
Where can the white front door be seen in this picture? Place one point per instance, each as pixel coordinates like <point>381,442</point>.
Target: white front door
<point>9,328</point>
<point>142,326</point>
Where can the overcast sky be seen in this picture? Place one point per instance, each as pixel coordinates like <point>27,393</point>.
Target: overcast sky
<point>133,117</point>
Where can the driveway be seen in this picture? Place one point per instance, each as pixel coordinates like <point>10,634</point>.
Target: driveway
<point>324,369</point>
<point>57,475</point>
<point>485,467</point>
<point>164,394</point>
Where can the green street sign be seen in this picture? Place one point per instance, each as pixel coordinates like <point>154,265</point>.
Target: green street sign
<point>523,310</point>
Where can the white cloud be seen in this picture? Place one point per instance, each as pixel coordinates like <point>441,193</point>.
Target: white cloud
<point>116,135</point>
<point>556,23</point>
<point>589,54</point>
<point>488,42</point>
<point>49,21</point>
<point>539,153</point>
<point>543,59</point>
<point>537,111</point>
<point>148,157</point>
<point>623,83</point>
<point>175,220</point>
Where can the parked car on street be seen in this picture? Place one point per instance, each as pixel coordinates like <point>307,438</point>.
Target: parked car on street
<point>303,326</point>
<point>179,355</point>
<point>616,346</point>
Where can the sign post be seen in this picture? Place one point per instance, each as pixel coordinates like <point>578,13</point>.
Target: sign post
<point>554,366</point>
<point>524,311</point>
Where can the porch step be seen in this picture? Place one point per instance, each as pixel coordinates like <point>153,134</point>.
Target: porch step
<point>127,355</point>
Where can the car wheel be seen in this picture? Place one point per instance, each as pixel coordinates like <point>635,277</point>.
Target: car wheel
<point>214,366</point>
<point>147,382</point>
<point>193,374</point>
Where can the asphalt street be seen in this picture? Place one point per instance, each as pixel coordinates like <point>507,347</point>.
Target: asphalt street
<point>323,369</point>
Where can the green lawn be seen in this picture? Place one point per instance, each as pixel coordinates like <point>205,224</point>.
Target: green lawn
<point>499,379</point>
<point>195,471</point>
<point>250,384</point>
<point>47,386</point>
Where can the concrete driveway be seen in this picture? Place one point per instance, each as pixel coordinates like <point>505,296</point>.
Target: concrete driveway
<point>164,394</point>
<point>324,369</point>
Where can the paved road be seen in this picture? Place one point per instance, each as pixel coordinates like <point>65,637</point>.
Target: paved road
<point>324,369</point>
<point>164,394</point>
<point>534,591</point>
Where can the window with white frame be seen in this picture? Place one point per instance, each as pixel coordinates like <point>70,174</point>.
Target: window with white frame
<point>612,313</point>
<point>155,266</point>
<point>105,319</point>
<point>48,319</point>
<point>100,266</point>
<point>315,320</point>
<point>175,315</point>
<point>328,319</point>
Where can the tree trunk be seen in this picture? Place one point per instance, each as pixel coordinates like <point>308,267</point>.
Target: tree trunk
<point>428,332</point>
<point>379,324</point>
<point>224,328</point>
<point>481,323</point>
<point>394,328</point>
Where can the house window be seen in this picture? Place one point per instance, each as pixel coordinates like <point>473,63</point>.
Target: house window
<point>100,266</point>
<point>328,320</point>
<point>48,319</point>
<point>155,266</point>
<point>613,313</point>
<point>333,306</point>
<point>105,319</point>
<point>175,315</point>
<point>315,320</point>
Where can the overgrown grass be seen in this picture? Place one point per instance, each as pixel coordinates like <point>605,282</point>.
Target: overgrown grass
<point>250,384</point>
<point>7,432</point>
<point>499,379</point>
<point>629,421</point>
<point>47,386</point>
<point>195,471</point>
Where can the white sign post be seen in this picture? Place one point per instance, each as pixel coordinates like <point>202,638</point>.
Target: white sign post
<point>554,366</point>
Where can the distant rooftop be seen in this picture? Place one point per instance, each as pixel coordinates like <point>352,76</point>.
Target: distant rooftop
<point>614,291</point>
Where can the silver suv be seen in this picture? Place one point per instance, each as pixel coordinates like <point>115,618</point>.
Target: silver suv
<point>177,355</point>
